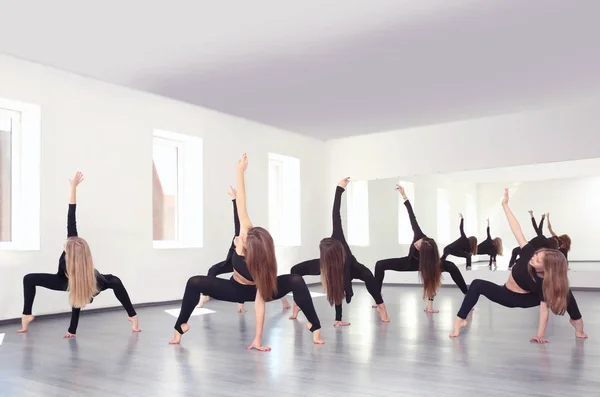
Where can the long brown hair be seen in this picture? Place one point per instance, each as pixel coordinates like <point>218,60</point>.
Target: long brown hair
<point>80,271</point>
<point>261,261</point>
<point>555,284</point>
<point>473,245</point>
<point>498,245</point>
<point>333,259</point>
<point>430,267</point>
<point>565,241</point>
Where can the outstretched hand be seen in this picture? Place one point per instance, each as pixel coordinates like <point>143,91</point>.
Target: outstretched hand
<point>232,192</point>
<point>400,189</point>
<point>77,179</point>
<point>243,162</point>
<point>505,198</point>
<point>539,339</point>
<point>530,213</point>
<point>460,214</point>
<point>344,182</point>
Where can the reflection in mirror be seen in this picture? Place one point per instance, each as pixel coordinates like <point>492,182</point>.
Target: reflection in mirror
<point>568,191</point>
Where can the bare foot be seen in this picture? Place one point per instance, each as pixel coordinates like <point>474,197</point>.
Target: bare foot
<point>578,325</point>
<point>203,300</point>
<point>26,319</point>
<point>241,308</point>
<point>295,312</point>
<point>383,313</point>
<point>316,335</point>
<point>341,324</point>
<point>285,303</point>
<point>134,324</point>
<point>430,309</point>
<point>177,336</point>
<point>458,324</point>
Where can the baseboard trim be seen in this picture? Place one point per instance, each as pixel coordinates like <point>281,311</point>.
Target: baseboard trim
<point>177,302</point>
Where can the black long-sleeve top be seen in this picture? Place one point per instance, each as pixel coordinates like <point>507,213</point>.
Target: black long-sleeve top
<point>462,242</point>
<point>539,230</point>
<point>413,252</point>
<point>489,236</point>
<point>71,232</point>
<point>338,234</point>
<point>236,224</point>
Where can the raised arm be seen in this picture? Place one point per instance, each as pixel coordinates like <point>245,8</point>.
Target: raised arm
<point>462,226</point>
<point>236,219</point>
<point>538,229</point>
<point>71,218</point>
<point>550,226</point>
<point>242,211</point>
<point>488,229</point>
<point>418,233</point>
<point>338,231</point>
<point>512,221</point>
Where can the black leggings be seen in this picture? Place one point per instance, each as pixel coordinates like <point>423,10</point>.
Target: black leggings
<point>458,253</point>
<point>222,268</point>
<point>505,297</point>
<point>357,271</point>
<point>57,282</point>
<point>487,247</point>
<point>407,265</point>
<point>232,291</point>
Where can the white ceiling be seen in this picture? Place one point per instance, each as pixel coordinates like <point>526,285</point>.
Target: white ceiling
<point>322,67</point>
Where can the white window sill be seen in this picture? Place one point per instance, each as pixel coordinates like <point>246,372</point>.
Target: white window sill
<point>173,245</point>
<point>12,246</point>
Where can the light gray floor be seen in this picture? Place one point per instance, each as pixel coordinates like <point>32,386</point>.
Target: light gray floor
<point>411,356</point>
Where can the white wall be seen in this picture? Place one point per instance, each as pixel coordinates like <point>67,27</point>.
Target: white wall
<point>106,132</point>
<point>573,207</point>
<point>548,135</point>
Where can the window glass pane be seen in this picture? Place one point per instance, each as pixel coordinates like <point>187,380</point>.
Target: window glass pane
<point>358,213</point>
<point>165,188</point>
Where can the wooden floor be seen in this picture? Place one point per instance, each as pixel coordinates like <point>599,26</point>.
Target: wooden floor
<point>411,356</point>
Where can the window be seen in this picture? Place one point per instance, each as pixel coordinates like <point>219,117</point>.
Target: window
<point>284,200</point>
<point>20,129</point>
<point>405,232</point>
<point>443,214</point>
<point>358,213</point>
<point>176,190</point>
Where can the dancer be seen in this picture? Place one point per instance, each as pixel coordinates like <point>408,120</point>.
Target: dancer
<point>423,256</point>
<point>539,241</point>
<point>254,277</point>
<point>76,274</point>
<point>463,247</point>
<point>539,278</point>
<point>226,265</point>
<point>338,267</point>
<point>491,247</point>
<point>564,241</point>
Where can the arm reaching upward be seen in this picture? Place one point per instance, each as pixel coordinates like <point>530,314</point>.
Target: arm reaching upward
<point>71,218</point>
<point>242,211</point>
<point>512,221</point>
<point>488,229</point>
<point>338,231</point>
<point>418,233</point>
<point>236,219</point>
<point>550,227</point>
<point>462,227</point>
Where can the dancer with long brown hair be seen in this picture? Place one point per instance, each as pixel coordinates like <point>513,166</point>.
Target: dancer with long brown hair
<point>226,266</point>
<point>564,241</point>
<point>539,278</point>
<point>338,267</point>
<point>423,257</point>
<point>492,247</point>
<point>463,247</point>
<point>76,274</point>
<point>254,277</point>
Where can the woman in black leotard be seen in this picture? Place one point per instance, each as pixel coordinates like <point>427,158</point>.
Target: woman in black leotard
<point>423,256</point>
<point>463,247</point>
<point>254,277</point>
<point>491,247</point>
<point>226,265</point>
<point>539,278</point>
<point>564,241</point>
<point>536,241</point>
<point>338,267</point>
<point>76,274</point>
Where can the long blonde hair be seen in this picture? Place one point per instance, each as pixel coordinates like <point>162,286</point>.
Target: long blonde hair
<point>262,262</point>
<point>80,270</point>
<point>556,282</point>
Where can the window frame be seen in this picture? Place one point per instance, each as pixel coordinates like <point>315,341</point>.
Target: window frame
<point>352,221</point>
<point>285,164</point>
<point>25,176</point>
